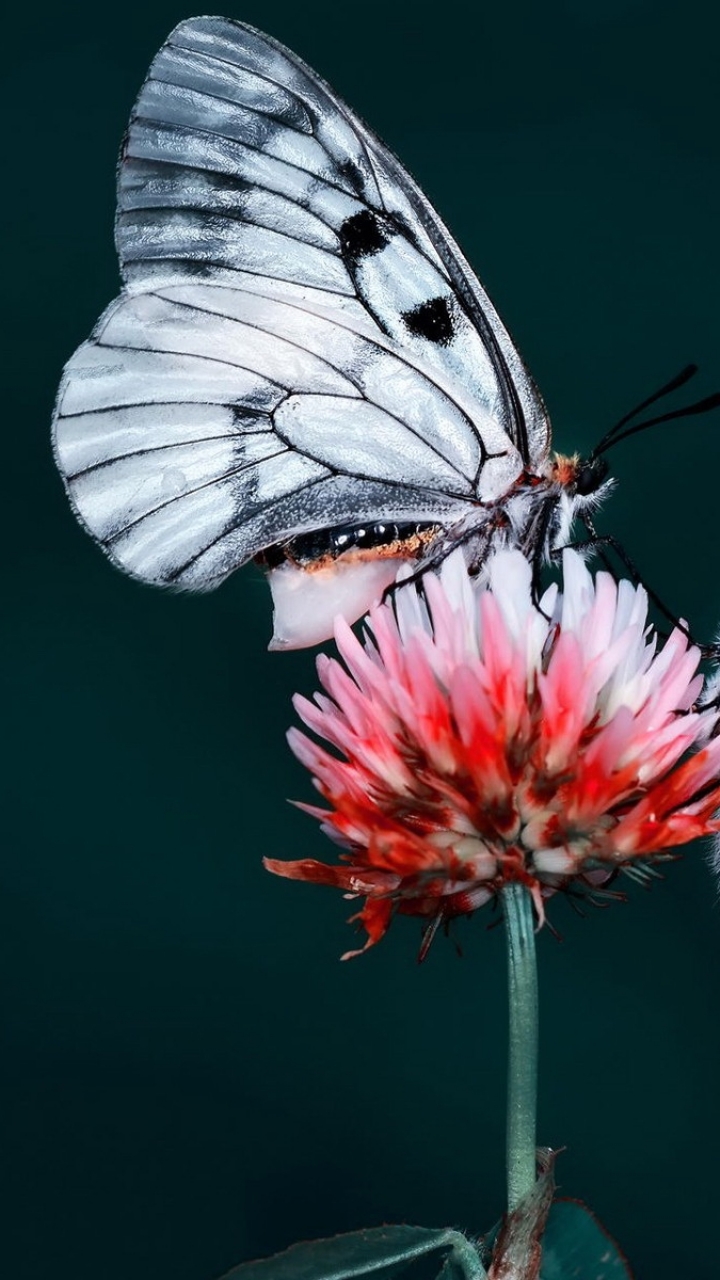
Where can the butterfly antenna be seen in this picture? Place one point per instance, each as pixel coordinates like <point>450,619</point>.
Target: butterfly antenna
<point>678,381</point>
<point>701,406</point>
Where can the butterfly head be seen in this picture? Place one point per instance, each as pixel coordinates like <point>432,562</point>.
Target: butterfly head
<point>579,485</point>
<point>580,477</point>
<point>591,475</point>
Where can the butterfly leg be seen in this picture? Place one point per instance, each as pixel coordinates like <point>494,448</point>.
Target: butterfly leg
<point>536,544</point>
<point>596,542</point>
<point>454,537</point>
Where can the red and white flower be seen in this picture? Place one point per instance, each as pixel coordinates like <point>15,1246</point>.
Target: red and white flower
<point>476,739</point>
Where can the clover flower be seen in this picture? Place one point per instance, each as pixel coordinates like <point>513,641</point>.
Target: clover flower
<point>476,738</point>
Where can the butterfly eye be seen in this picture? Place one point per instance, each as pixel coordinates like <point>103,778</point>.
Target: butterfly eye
<point>590,476</point>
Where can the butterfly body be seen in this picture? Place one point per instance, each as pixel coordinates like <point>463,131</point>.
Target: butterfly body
<point>299,349</point>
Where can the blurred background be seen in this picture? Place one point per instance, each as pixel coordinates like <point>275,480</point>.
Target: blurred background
<point>190,1077</point>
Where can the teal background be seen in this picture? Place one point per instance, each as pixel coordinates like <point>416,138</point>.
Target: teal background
<point>189,1075</point>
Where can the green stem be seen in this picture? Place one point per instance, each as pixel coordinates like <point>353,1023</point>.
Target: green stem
<point>523,1047</point>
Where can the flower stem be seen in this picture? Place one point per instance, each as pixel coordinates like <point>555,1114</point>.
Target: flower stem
<point>523,1043</point>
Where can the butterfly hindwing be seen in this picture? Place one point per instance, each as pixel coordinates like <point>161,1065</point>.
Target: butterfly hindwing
<point>202,423</point>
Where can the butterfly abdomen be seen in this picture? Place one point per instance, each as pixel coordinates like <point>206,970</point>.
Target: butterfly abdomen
<point>368,541</point>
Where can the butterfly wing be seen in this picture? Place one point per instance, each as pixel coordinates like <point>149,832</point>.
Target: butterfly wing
<point>201,423</point>
<point>299,344</point>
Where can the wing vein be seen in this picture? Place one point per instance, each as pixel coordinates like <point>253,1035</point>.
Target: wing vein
<point>152,404</point>
<point>241,218</point>
<point>233,102</point>
<point>260,151</point>
<point>308,484</point>
<point>191,355</point>
<point>235,66</point>
<point>336,369</point>
<point>158,448</point>
<point>198,488</point>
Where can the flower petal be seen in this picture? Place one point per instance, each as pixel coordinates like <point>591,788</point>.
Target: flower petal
<point>470,739</point>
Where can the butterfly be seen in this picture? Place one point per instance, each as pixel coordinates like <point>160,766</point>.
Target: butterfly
<point>301,368</point>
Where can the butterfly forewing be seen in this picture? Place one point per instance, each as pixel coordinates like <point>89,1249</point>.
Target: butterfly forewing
<point>300,344</point>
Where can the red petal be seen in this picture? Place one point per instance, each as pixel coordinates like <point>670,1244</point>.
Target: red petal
<point>353,879</point>
<point>309,869</point>
<point>375,917</point>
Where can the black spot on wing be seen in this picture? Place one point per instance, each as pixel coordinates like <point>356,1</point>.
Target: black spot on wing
<point>431,320</point>
<point>361,235</point>
<point>245,418</point>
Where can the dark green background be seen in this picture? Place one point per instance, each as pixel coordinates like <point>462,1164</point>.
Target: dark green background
<point>190,1076</point>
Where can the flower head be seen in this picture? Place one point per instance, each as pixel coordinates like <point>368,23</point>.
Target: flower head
<point>477,739</point>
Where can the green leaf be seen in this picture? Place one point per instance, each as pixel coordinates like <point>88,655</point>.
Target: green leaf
<point>379,1251</point>
<point>463,1262</point>
<point>577,1247</point>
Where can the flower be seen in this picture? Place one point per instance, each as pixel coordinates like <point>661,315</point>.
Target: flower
<point>476,738</point>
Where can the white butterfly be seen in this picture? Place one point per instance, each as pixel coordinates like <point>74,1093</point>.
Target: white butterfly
<point>301,366</point>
